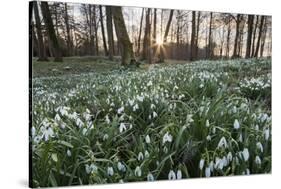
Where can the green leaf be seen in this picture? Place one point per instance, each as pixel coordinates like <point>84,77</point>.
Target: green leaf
<point>67,144</point>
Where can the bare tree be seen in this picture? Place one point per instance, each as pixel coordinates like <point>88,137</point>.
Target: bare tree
<point>51,31</point>
<point>41,47</point>
<point>210,46</point>
<point>249,35</point>
<point>102,32</point>
<point>193,36</point>
<point>109,32</point>
<point>127,53</point>
<point>139,38</point>
<point>259,37</point>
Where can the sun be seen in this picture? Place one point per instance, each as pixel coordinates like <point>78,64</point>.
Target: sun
<point>159,41</point>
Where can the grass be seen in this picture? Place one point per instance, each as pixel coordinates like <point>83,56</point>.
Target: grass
<point>203,119</point>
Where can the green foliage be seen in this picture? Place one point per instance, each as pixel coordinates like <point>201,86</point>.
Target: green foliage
<point>168,122</point>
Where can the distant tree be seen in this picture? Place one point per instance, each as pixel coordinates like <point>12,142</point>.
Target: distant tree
<point>249,35</point>
<point>69,40</point>
<point>193,36</point>
<point>102,32</point>
<point>127,53</point>
<point>197,33</point>
<point>140,31</point>
<point>109,32</point>
<point>254,36</point>
<point>41,47</point>
<point>165,36</point>
<point>237,36</point>
<point>210,47</point>
<point>147,37</point>
<point>264,33</point>
<point>259,36</point>
<point>51,32</point>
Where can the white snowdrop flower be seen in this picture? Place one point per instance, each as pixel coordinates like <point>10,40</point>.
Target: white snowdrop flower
<point>122,127</point>
<point>121,181</point>
<point>105,137</point>
<point>207,172</point>
<point>91,169</point>
<point>149,83</point>
<point>147,139</point>
<point>165,149</point>
<point>107,120</point>
<point>264,117</point>
<point>57,118</point>
<point>222,143</point>
<point>234,109</point>
<point>175,87</point>
<point>149,117</point>
<point>225,162</point>
<point>154,114</point>
<point>140,98</point>
<point>150,177</point>
<point>37,139</point>
<point>201,164</point>
<point>33,131</point>
<point>146,154</point>
<point>258,160</point>
<point>120,110</point>
<point>236,124</point>
<point>131,102</point>
<point>257,128</point>
<point>140,156</point>
<point>189,118</point>
<point>88,170</point>
<point>68,152</point>
<point>152,106</point>
<point>172,175</point>
<point>208,138</point>
<point>214,130</point>
<point>84,131</point>
<point>240,138</point>
<point>201,85</point>
<point>219,163</point>
<point>259,146</point>
<point>179,174</point>
<point>47,133</point>
<point>266,134</point>
<point>229,156</point>
<point>121,167</point>
<point>211,165</point>
<point>207,123</point>
<point>135,107</point>
<point>79,123</point>
<point>167,138</point>
<point>138,171</point>
<point>110,171</point>
<point>112,104</point>
<point>246,154</point>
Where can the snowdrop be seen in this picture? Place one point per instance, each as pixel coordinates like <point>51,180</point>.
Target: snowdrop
<point>229,156</point>
<point>259,147</point>
<point>154,114</point>
<point>91,168</point>
<point>266,134</point>
<point>47,133</point>
<point>172,175</point>
<point>246,154</point>
<point>107,120</point>
<point>179,174</point>
<point>201,164</point>
<point>258,160</point>
<point>121,167</point>
<point>236,124</point>
<point>68,152</point>
<point>207,171</point>
<point>122,127</point>
<point>135,107</point>
<point>207,123</point>
<point>146,154</point>
<point>222,143</point>
<point>110,171</point>
<point>152,106</point>
<point>167,138</point>
<point>120,110</point>
<point>105,137</point>
<point>33,131</point>
<point>140,156</point>
<point>149,83</point>
<point>138,171</point>
<point>147,139</point>
<point>150,177</point>
<point>208,138</point>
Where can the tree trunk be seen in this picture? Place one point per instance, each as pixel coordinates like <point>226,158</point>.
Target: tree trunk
<point>139,38</point>
<point>41,47</point>
<point>237,35</point>
<point>197,34</point>
<point>210,46</point>
<point>259,37</point>
<point>228,37</point>
<point>254,36</point>
<point>103,33</point>
<point>249,36</point>
<point>165,36</point>
<point>147,38</point>
<point>51,31</point>
<point>193,35</point>
<point>109,32</point>
<point>122,35</point>
<point>263,37</point>
<point>96,31</point>
<point>69,41</point>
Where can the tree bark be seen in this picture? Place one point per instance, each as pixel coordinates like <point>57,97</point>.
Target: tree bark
<point>197,34</point>
<point>102,31</point>
<point>228,37</point>
<point>237,35</point>
<point>139,38</point>
<point>51,31</point>
<point>127,54</point>
<point>210,46</point>
<point>193,35</point>
<point>254,36</point>
<point>162,56</point>
<point>263,37</point>
<point>69,41</point>
<point>249,36</point>
<point>259,37</point>
<point>41,47</point>
<point>109,32</point>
